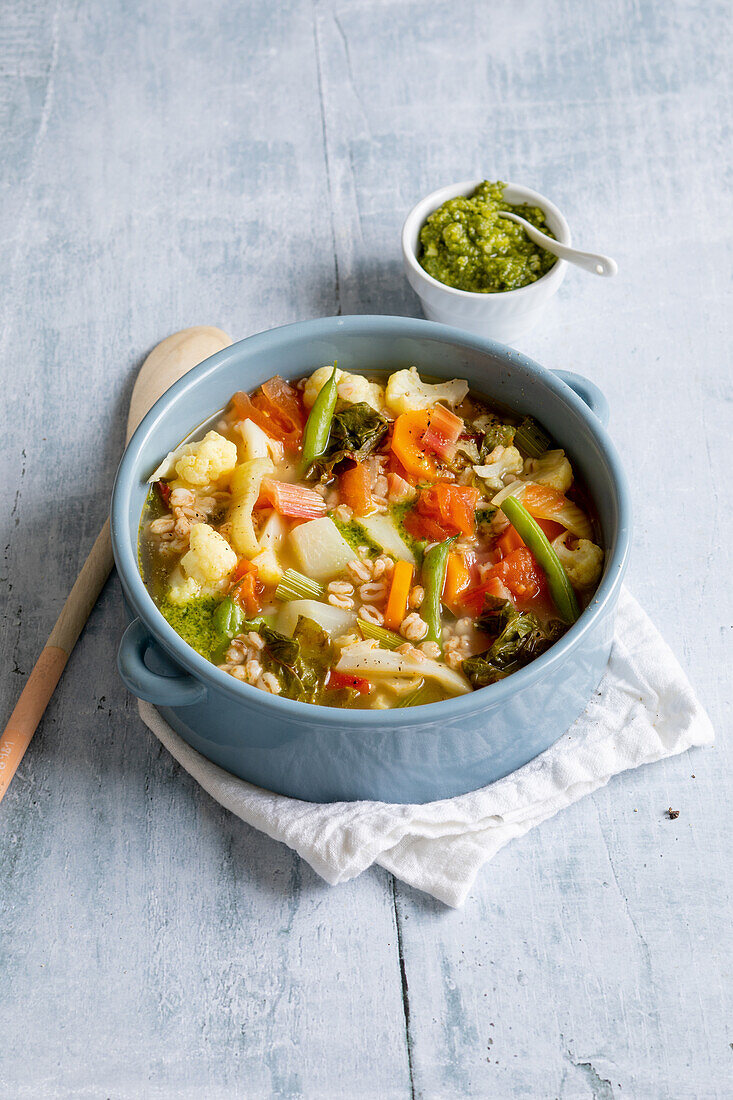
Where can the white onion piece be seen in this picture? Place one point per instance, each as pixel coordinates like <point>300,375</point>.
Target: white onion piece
<point>363,659</point>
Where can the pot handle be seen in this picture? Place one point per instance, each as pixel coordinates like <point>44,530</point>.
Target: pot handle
<point>588,391</point>
<point>179,690</point>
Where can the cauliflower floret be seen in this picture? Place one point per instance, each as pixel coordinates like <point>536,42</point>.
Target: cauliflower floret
<point>352,388</point>
<point>407,392</point>
<point>317,381</point>
<point>181,591</point>
<point>210,558</point>
<point>355,388</point>
<point>503,462</point>
<point>208,461</point>
<point>583,560</point>
<point>551,468</point>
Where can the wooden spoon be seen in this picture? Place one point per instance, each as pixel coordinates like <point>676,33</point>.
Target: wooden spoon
<point>167,362</point>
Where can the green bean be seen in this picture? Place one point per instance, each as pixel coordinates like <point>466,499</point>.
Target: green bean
<point>536,540</point>
<point>228,619</point>
<point>434,566</point>
<point>318,425</point>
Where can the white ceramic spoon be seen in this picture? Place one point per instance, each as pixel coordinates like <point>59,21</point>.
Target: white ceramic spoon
<point>589,261</point>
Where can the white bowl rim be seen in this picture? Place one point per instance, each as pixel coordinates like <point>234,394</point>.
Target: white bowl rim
<point>430,203</point>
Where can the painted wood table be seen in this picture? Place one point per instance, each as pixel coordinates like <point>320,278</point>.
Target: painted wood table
<point>247,165</point>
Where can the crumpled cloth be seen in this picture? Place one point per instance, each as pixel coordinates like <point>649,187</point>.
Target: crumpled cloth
<point>645,710</point>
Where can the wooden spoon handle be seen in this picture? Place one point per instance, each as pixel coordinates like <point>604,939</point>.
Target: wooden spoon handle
<point>47,671</point>
<point>166,363</point>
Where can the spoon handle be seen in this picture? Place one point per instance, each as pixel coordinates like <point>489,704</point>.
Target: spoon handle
<point>594,262</point>
<point>36,694</point>
<point>173,358</point>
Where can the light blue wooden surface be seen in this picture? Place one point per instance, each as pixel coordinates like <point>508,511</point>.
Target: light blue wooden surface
<point>247,165</point>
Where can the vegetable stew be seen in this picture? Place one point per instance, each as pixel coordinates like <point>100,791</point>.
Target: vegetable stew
<point>356,542</point>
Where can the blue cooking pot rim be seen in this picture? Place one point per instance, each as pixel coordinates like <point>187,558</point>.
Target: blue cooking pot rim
<point>125,551</point>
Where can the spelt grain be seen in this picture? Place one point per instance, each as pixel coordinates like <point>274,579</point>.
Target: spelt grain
<point>413,627</point>
<point>370,614</point>
<point>416,597</point>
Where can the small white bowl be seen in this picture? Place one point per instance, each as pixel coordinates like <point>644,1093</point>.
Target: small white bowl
<point>503,315</point>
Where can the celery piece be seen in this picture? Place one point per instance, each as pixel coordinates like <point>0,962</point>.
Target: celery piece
<point>294,586</point>
<point>386,638</point>
<point>530,439</point>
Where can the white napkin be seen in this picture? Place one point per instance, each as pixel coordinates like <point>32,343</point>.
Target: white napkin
<point>644,710</point>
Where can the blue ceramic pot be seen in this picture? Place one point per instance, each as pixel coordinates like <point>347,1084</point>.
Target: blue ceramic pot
<point>413,755</point>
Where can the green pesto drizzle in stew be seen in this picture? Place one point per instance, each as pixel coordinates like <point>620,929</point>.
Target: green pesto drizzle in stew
<point>467,245</point>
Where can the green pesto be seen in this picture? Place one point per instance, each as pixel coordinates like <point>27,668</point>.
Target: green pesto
<point>356,536</point>
<point>194,622</point>
<point>398,513</point>
<point>467,245</point>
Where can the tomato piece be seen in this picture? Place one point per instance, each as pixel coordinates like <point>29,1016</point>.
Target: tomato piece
<point>451,506</point>
<point>336,680</point>
<point>521,574</point>
<point>165,491</point>
<point>474,599</point>
<point>517,575</point>
<point>276,408</point>
<point>423,527</point>
<point>551,529</point>
<point>510,539</point>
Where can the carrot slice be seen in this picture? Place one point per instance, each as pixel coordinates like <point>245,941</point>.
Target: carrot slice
<point>399,593</point>
<point>355,488</point>
<point>242,568</point>
<point>457,578</point>
<point>409,429</point>
<point>249,590</point>
<point>508,541</point>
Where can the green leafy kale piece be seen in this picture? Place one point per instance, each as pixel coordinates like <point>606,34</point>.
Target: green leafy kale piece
<point>300,663</point>
<point>317,656</point>
<point>356,431</point>
<point>519,637</point>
